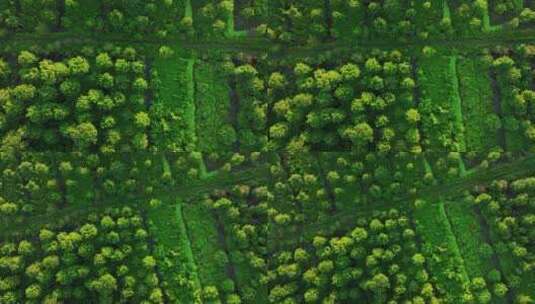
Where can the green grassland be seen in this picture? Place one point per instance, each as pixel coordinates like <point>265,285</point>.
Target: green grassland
<point>214,131</point>
<point>440,104</point>
<point>477,103</point>
<point>174,106</point>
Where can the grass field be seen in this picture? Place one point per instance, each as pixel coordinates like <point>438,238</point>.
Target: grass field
<point>214,131</point>
<point>439,103</point>
<point>456,105</point>
<point>174,106</point>
<point>477,103</point>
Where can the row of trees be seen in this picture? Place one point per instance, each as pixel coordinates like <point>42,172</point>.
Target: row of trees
<point>243,212</point>
<point>43,183</point>
<point>508,208</point>
<point>392,19</point>
<point>378,260</point>
<point>75,104</point>
<point>104,258</point>
<point>137,18</point>
<point>212,17</point>
<point>513,68</point>
<point>364,102</point>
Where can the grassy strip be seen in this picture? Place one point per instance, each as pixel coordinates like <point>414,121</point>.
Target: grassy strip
<point>438,93</point>
<point>230,31</point>
<point>214,131</point>
<point>204,239</point>
<point>475,252</point>
<point>173,252</point>
<point>188,11</point>
<point>477,103</point>
<point>456,106</point>
<point>440,243</point>
<point>174,108</point>
<point>446,14</point>
<point>487,27</point>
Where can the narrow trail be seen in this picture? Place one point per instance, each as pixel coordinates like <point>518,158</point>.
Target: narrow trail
<point>192,98</point>
<point>149,97</point>
<point>496,93</point>
<point>276,49</point>
<point>234,111</point>
<point>60,7</point>
<point>457,105</point>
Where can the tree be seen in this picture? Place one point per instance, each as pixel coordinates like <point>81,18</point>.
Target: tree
<point>418,259</point>
<point>233,299</point>
<point>5,71</point>
<point>500,290</point>
<point>140,85</point>
<point>26,58</point>
<point>360,134</point>
<point>88,231</point>
<point>359,234</point>
<point>276,80</point>
<point>105,285</point>
<point>149,262</point>
<point>78,65</point>
<point>165,52</point>
<point>84,134</point>
<point>33,291</point>
<point>103,61</point>
<point>142,119</point>
<point>378,284</point>
<point>350,71</point>
<point>413,116</point>
<point>311,295</point>
<point>210,293</point>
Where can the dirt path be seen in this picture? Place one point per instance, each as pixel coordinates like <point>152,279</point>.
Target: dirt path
<point>457,106</point>
<point>234,111</point>
<point>496,93</point>
<point>276,49</point>
<point>60,7</point>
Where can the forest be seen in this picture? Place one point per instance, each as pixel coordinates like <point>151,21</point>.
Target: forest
<point>255,151</point>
